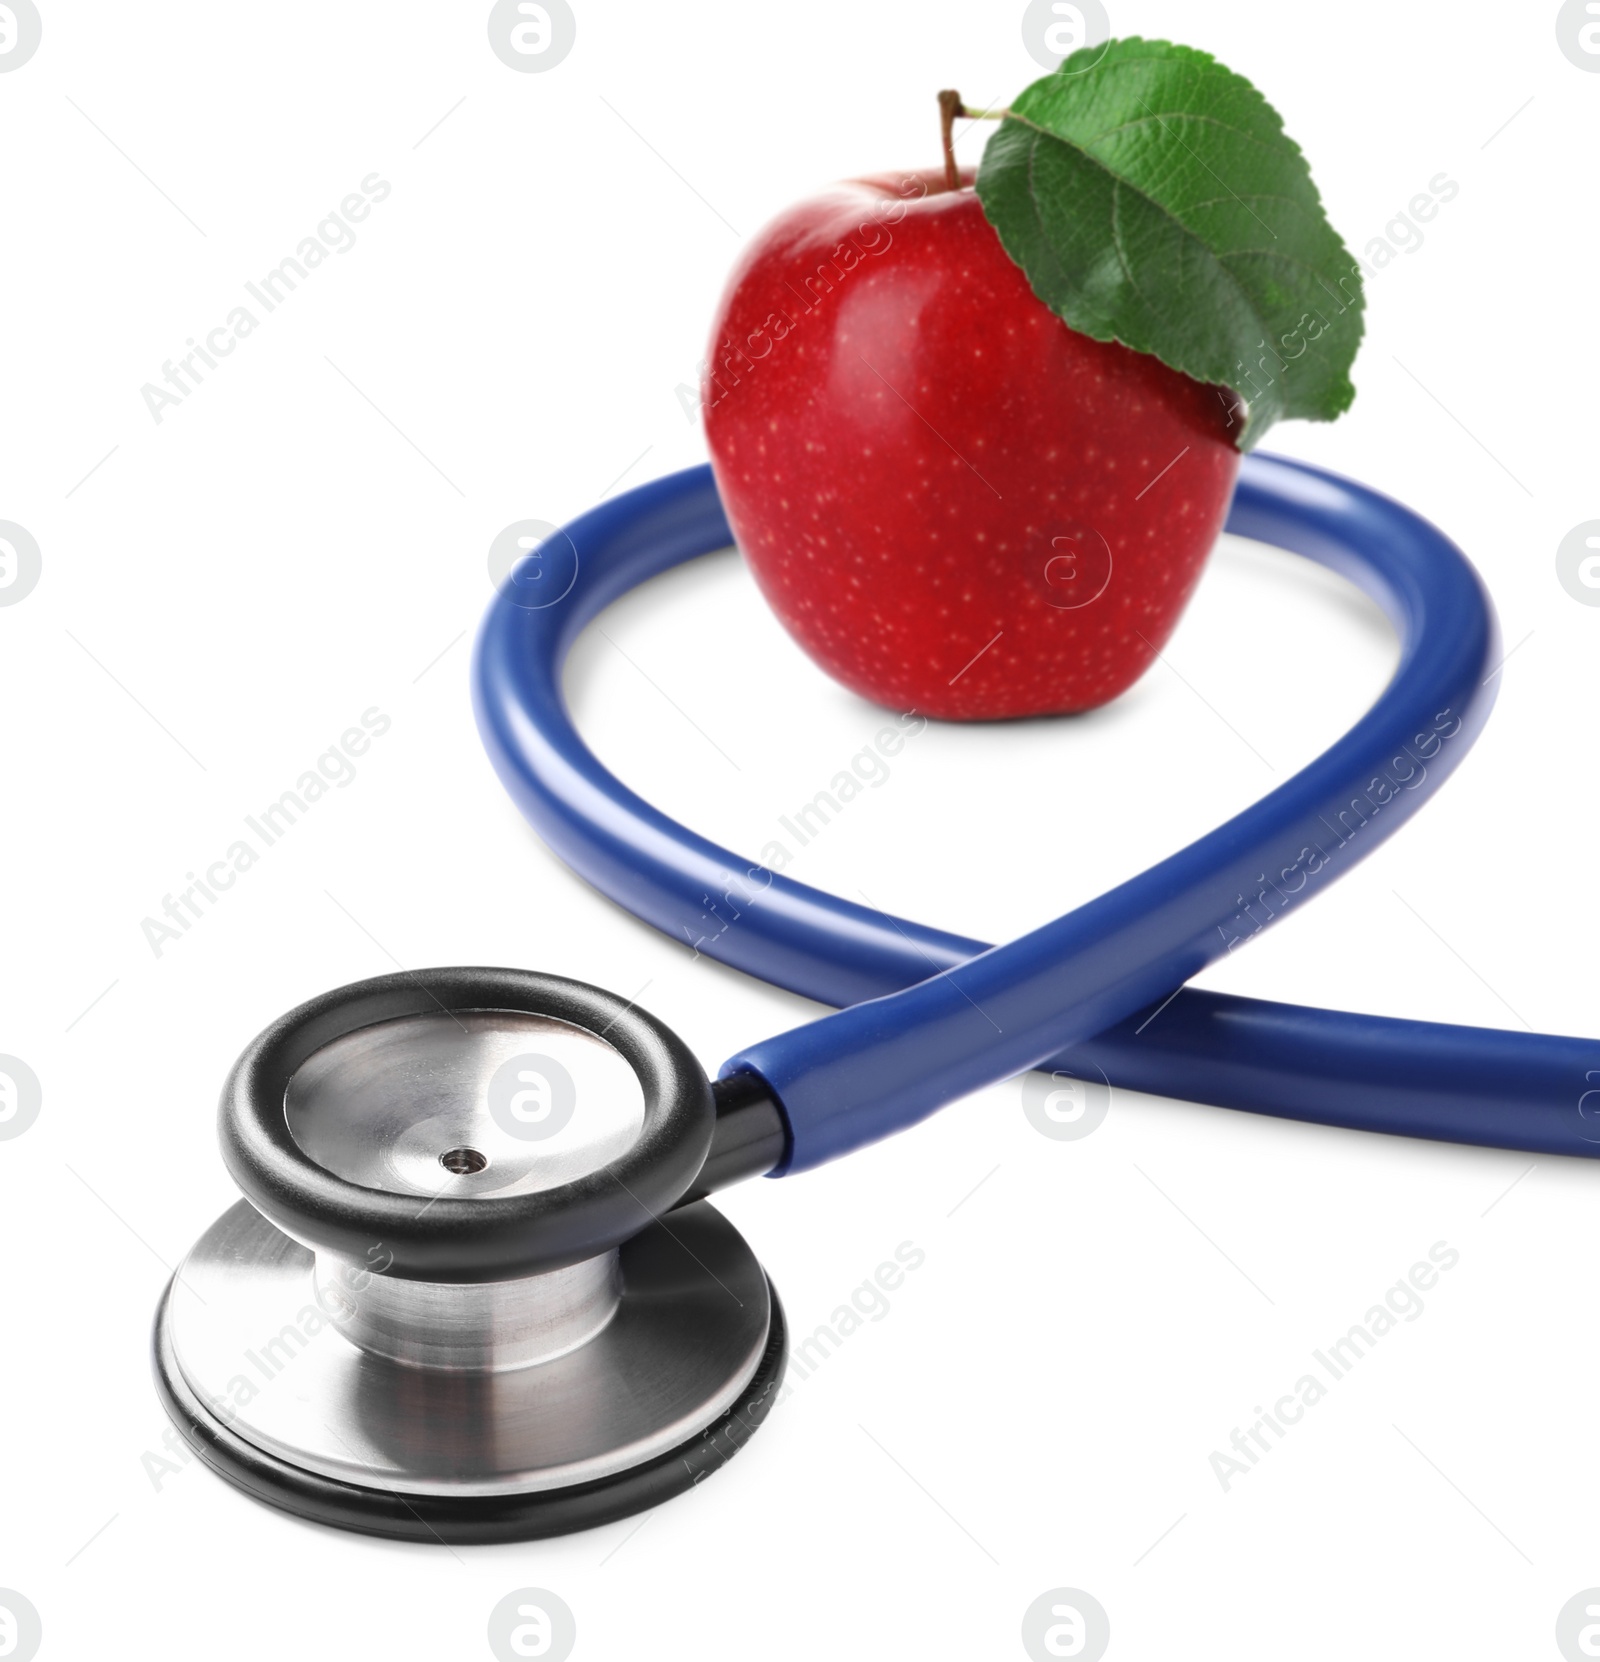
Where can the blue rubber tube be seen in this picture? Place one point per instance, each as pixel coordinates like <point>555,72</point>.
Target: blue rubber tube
<point>934,1015</point>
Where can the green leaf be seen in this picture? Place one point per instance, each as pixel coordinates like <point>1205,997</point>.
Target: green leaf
<point>1152,197</point>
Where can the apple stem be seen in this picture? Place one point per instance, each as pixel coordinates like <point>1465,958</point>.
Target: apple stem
<point>950,110</point>
<point>950,106</point>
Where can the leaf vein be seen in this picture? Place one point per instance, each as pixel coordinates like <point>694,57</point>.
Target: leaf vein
<point>1270,254</point>
<point>1287,148</point>
<point>1244,196</point>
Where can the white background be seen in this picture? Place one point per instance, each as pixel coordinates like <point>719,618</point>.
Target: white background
<point>229,589</point>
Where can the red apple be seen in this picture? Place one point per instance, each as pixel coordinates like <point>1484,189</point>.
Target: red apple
<point>955,503</point>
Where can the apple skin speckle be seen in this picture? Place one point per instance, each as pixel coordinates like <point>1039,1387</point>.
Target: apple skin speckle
<point>953,502</point>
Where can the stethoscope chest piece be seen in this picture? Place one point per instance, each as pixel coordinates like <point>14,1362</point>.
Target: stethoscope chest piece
<point>464,1298</point>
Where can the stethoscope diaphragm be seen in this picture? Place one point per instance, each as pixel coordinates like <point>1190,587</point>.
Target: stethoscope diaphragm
<point>465,1298</point>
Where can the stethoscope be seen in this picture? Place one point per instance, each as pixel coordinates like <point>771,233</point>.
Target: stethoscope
<point>474,1291</point>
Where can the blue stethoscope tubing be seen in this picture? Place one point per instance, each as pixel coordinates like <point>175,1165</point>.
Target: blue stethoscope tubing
<point>926,1016</point>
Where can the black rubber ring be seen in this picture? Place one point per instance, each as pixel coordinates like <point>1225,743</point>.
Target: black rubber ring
<point>478,1519</point>
<point>453,1239</point>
